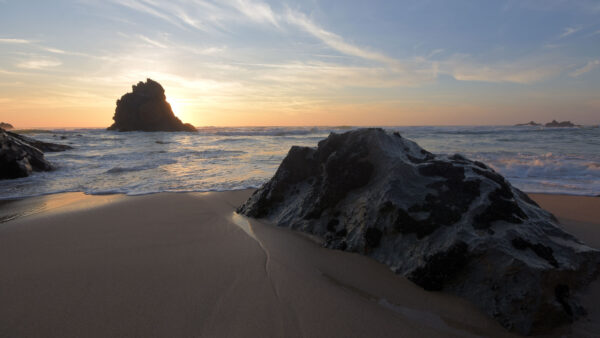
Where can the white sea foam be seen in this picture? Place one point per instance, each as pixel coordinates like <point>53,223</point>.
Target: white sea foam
<point>216,159</point>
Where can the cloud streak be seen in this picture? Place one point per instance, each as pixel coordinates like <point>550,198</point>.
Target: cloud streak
<point>591,65</point>
<point>147,7</point>
<point>465,68</point>
<point>335,41</point>
<point>38,64</point>
<point>256,11</point>
<point>15,41</point>
<point>151,41</point>
<point>569,31</point>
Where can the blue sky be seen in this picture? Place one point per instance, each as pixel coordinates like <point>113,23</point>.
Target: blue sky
<point>243,62</point>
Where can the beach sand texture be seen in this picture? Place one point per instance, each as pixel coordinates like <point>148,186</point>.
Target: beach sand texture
<point>184,265</point>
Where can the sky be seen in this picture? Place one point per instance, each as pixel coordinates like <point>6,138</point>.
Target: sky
<point>303,63</point>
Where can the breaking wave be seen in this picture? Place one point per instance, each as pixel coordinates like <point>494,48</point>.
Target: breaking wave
<point>549,160</point>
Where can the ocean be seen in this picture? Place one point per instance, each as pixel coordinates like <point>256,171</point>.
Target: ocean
<point>534,159</point>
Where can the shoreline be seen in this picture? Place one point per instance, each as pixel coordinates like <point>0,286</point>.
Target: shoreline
<point>175,264</point>
<point>10,200</point>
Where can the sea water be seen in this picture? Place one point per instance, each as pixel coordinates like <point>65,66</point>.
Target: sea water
<point>534,159</point>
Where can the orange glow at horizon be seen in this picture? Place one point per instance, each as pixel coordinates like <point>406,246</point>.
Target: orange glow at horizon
<point>93,106</point>
<point>237,114</point>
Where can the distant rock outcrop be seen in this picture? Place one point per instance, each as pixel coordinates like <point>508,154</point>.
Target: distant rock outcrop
<point>146,109</point>
<point>530,123</point>
<point>6,126</point>
<point>445,222</point>
<point>43,146</point>
<point>563,124</point>
<point>20,155</point>
<point>553,124</point>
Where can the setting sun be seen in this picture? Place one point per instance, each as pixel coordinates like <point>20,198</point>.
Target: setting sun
<point>180,109</point>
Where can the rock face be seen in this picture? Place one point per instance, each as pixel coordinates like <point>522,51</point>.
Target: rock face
<point>6,126</point>
<point>146,109</point>
<point>445,222</point>
<point>20,155</point>
<point>563,124</point>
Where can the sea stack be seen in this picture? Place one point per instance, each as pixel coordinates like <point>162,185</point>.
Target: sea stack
<point>445,222</point>
<point>146,109</point>
<point>20,155</point>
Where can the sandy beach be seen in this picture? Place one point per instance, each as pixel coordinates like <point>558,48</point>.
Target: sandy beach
<point>183,265</point>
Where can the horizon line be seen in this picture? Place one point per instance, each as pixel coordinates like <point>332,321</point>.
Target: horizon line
<point>309,126</point>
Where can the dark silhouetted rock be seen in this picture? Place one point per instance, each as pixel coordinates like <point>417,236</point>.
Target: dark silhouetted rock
<point>563,124</point>
<point>530,123</point>
<point>19,157</point>
<point>6,126</point>
<point>445,222</point>
<point>146,109</point>
<point>43,146</point>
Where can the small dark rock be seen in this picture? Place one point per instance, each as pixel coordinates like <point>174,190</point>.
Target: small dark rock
<point>6,126</point>
<point>43,146</point>
<point>20,156</point>
<point>563,124</point>
<point>530,123</point>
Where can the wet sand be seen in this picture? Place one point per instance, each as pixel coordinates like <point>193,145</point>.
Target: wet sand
<point>185,265</point>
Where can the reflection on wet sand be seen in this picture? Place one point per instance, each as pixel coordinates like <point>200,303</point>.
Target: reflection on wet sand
<point>13,209</point>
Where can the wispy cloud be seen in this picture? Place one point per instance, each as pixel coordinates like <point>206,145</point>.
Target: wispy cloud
<point>205,51</point>
<point>591,65</point>
<point>148,7</point>
<point>257,11</point>
<point>38,64</point>
<point>465,68</point>
<point>569,31</point>
<point>38,45</point>
<point>335,41</point>
<point>151,41</point>
<point>176,47</point>
<point>55,50</point>
<point>16,41</point>
<point>435,52</point>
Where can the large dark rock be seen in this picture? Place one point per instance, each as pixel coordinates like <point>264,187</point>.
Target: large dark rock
<point>146,109</point>
<point>6,126</point>
<point>20,155</point>
<point>445,222</point>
